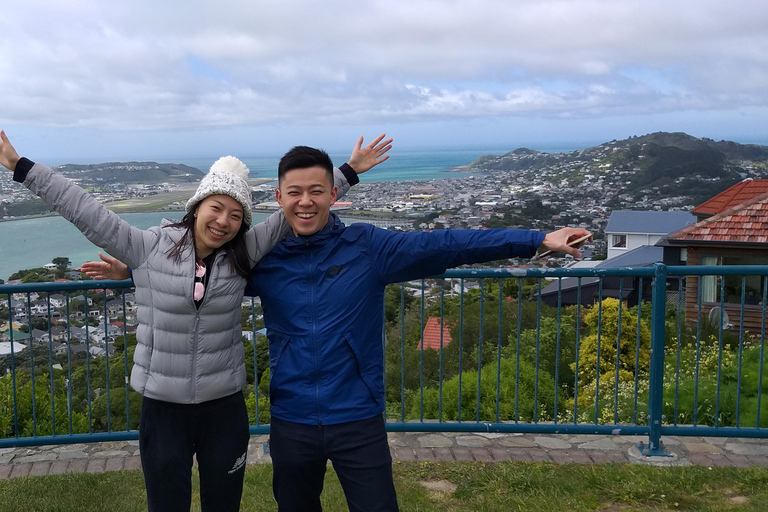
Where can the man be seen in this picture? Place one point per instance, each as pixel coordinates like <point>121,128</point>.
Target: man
<point>322,291</point>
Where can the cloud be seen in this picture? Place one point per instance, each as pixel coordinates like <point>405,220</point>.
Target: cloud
<point>174,65</point>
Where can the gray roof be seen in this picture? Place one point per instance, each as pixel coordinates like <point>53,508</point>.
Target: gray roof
<point>643,256</point>
<point>567,283</point>
<point>651,222</point>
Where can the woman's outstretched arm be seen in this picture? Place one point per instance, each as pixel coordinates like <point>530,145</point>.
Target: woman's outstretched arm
<point>100,225</point>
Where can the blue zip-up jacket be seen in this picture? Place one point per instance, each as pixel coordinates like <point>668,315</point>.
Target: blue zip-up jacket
<point>323,298</point>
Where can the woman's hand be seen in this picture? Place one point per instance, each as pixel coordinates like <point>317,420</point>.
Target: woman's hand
<point>8,156</point>
<point>107,268</point>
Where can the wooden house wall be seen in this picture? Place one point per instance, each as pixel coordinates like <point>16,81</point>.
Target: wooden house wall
<point>753,315</point>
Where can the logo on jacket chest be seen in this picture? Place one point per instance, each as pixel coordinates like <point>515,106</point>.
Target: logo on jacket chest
<point>333,271</point>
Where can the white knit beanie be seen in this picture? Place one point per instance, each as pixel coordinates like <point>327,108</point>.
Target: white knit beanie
<point>227,176</point>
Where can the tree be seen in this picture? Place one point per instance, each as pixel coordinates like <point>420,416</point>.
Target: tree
<point>262,358</point>
<point>35,276</point>
<point>543,347</point>
<point>40,323</point>
<point>395,299</point>
<point>117,410</point>
<point>61,262</point>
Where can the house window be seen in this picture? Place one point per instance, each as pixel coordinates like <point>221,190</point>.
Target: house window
<point>713,286</point>
<point>619,241</point>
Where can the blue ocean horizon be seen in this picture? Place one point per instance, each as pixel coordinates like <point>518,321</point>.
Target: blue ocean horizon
<point>403,165</point>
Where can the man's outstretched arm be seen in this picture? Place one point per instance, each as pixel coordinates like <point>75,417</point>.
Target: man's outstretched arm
<point>404,256</point>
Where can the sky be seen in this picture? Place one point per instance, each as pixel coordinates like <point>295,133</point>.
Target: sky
<point>88,80</point>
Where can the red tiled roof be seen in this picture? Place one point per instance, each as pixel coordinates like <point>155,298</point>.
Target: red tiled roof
<point>744,223</point>
<point>736,195</point>
<point>432,334</point>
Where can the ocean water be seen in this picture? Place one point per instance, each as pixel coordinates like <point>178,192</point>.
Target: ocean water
<point>402,165</point>
<point>32,243</point>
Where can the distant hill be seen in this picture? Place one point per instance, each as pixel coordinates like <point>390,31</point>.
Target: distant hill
<point>132,172</point>
<point>101,177</point>
<point>670,163</point>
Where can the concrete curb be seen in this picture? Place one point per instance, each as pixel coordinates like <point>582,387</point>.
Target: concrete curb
<point>422,447</point>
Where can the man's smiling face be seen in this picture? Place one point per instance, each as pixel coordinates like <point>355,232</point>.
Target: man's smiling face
<point>306,196</point>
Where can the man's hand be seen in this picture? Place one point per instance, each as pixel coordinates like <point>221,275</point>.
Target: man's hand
<point>107,268</point>
<point>364,158</point>
<point>558,240</point>
<point>8,156</point>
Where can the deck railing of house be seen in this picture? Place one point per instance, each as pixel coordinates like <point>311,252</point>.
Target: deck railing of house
<point>634,351</point>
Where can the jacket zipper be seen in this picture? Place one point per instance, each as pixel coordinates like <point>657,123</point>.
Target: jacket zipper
<point>193,362</point>
<point>196,337</point>
<point>313,320</point>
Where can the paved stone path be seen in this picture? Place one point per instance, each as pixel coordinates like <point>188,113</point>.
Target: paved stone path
<point>421,446</point>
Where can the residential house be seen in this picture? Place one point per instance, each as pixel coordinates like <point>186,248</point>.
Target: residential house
<point>76,348</point>
<point>57,300</point>
<point>735,235</point>
<point>569,291</point>
<point>100,351</point>
<point>77,334</point>
<point>261,334</point>
<point>39,335</point>
<point>629,229</point>
<point>74,275</point>
<point>115,307</point>
<point>82,298</point>
<point>5,348</point>
<point>434,336</point>
<point>17,336</point>
<point>631,236</point>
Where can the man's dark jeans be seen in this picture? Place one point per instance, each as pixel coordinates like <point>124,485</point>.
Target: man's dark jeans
<point>360,455</point>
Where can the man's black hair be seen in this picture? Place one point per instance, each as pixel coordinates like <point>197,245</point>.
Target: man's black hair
<point>303,157</point>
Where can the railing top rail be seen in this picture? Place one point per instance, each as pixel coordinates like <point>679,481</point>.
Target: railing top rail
<point>692,270</point>
<point>547,272</point>
<point>719,270</point>
<point>64,286</point>
<point>478,273</point>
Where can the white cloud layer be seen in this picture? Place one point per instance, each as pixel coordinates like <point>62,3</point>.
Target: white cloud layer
<point>174,65</point>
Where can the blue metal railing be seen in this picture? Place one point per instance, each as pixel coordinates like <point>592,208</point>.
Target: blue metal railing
<point>627,351</point>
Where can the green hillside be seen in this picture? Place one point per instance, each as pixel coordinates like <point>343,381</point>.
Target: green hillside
<point>658,163</point>
<point>132,172</point>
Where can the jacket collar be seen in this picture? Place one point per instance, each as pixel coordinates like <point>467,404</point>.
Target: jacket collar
<point>331,229</point>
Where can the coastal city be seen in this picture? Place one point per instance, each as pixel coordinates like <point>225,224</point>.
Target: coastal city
<point>524,188</point>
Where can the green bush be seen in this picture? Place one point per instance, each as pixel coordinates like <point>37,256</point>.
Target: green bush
<point>250,404</point>
<point>607,319</point>
<point>528,409</point>
<point>34,415</point>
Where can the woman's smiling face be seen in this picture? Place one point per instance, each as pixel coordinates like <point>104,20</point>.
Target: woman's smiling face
<point>217,220</point>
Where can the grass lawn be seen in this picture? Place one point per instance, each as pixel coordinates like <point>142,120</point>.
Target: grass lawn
<point>152,203</point>
<point>456,486</point>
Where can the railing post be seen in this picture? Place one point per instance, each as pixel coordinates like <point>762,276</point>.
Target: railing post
<point>656,379</point>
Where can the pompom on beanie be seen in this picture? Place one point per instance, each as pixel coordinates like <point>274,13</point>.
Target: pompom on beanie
<point>227,176</point>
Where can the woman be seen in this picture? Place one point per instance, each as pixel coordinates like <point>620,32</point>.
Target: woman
<point>189,278</point>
